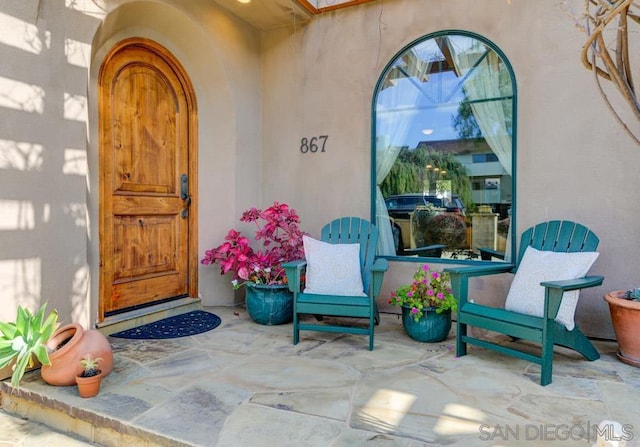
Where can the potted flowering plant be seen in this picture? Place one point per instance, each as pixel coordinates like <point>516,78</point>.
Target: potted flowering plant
<point>278,232</point>
<point>427,303</point>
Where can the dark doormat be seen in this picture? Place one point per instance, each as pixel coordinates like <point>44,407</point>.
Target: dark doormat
<point>192,323</point>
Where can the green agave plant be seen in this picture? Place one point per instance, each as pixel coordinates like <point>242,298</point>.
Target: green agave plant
<point>26,339</point>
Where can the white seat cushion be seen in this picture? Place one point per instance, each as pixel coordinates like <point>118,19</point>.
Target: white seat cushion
<point>526,295</point>
<point>332,269</point>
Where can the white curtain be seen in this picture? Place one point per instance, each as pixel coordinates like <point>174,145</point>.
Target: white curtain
<point>386,156</point>
<point>483,72</point>
<point>484,82</point>
<point>393,123</point>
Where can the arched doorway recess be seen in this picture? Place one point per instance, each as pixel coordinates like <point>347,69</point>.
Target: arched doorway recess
<point>148,167</point>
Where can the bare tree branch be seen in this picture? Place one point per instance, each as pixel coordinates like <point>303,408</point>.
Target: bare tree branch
<point>596,54</point>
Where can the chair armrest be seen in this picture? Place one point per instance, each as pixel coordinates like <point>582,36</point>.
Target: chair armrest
<point>377,274</point>
<point>380,265</point>
<point>555,289</point>
<point>294,271</point>
<point>573,284</point>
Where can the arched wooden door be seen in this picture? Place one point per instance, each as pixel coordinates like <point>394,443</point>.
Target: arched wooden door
<point>148,147</point>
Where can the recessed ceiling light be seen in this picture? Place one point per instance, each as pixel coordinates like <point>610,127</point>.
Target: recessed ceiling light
<point>244,1</point>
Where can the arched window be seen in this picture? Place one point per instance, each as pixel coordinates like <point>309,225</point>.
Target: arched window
<point>444,136</point>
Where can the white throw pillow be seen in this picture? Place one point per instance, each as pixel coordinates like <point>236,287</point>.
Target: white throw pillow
<point>332,269</point>
<point>526,295</point>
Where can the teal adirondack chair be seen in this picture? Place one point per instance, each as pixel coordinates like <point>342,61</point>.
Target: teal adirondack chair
<point>554,236</point>
<point>346,230</point>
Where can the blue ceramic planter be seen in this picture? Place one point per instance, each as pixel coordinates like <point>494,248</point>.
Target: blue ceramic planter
<point>269,305</point>
<point>431,328</point>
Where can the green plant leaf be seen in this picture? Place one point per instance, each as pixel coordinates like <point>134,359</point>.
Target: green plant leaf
<point>8,330</point>
<point>22,320</point>
<point>35,325</point>
<point>41,353</point>
<point>50,326</point>
<point>18,372</point>
<point>6,356</point>
<point>39,317</point>
<point>18,344</point>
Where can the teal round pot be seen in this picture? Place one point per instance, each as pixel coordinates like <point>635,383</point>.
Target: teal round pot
<point>432,327</point>
<point>269,304</point>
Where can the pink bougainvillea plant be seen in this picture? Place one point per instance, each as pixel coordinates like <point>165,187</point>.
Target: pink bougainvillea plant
<point>278,231</point>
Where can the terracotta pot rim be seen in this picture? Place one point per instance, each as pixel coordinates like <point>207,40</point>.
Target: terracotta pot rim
<point>79,378</point>
<point>57,338</point>
<point>615,299</point>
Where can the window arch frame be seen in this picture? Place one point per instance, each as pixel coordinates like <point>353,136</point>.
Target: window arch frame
<point>511,245</point>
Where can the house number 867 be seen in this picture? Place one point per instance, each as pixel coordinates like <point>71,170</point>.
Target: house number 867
<point>313,144</point>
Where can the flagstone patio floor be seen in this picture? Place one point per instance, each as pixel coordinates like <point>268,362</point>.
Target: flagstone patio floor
<point>245,384</point>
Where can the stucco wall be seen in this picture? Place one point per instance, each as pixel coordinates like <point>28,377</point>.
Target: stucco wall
<point>52,52</point>
<point>573,160</point>
<point>43,80</point>
<point>258,94</point>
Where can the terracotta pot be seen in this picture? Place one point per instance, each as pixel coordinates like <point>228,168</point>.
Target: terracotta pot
<point>625,316</point>
<point>65,357</point>
<point>89,386</point>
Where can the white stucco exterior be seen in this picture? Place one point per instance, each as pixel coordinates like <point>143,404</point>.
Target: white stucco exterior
<point>259,91</point>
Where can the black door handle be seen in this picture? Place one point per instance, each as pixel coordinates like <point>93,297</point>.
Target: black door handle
<point>184,195</point>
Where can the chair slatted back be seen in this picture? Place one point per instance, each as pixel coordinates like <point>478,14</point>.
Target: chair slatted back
<point>559,236</point>
<point>354,230</point>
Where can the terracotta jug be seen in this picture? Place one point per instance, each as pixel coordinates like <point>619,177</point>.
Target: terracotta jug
<point>67,346</point>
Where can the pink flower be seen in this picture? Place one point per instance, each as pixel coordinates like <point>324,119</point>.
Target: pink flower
<point>251,215</point>
<point>242,272</point>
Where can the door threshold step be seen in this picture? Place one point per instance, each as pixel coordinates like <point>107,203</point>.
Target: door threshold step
<point>151,314</point>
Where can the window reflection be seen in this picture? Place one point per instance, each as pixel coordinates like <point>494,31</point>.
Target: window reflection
<point>444,129</point>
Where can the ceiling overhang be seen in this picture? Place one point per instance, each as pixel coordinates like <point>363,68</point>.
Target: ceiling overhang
<point>266,14</point>
<point>320,6</point>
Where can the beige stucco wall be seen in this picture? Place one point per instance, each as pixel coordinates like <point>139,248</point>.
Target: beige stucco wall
<point>43,158</point>
<point>50,216</point>
<point>573,161</point>
<point>259,93</point>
